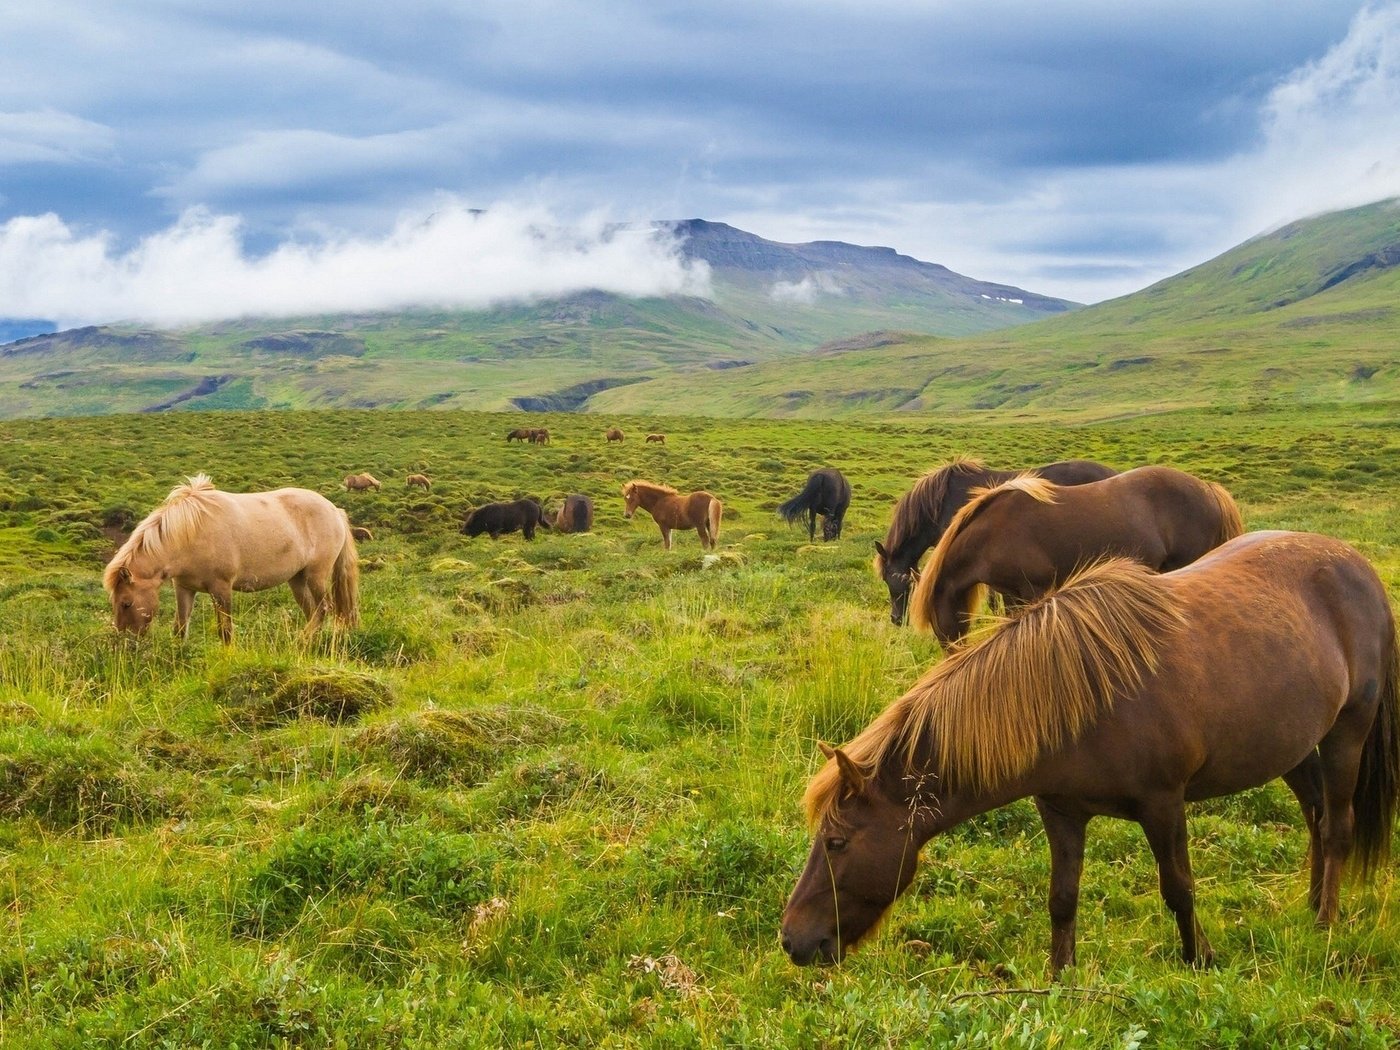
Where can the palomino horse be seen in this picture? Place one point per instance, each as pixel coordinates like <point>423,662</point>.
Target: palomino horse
<point>360,482</point>
<point>422,481</point>
<point>202,539</point>
<point>613,434</point>
<point>1026,535</point>
<point>1127,694</point>
<point>700,511</point>
<point>827,493</point>
<point>923,513</point>
<point>656,439</point>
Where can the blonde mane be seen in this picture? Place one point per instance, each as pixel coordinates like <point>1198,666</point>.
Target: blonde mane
<point>921,601</point>
<point>172,523</point>
<point>922,503</point>
<point>1031,684</point>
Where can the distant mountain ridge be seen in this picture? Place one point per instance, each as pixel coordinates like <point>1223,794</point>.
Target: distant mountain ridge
<point>771,301</point>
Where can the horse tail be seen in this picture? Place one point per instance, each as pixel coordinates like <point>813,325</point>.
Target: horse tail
<point>1373,802</point>
<point>1231,522</point>
<point>714,512</point>
<point>802,502</point>
<point>345,582</point>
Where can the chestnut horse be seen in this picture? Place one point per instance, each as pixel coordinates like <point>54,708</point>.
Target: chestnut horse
<point>1026,535</point>
<point>656,439</point>
<point>924,512</point>
<point>700,511</point>
<point>422,481</point>
<point>220,542</point>
<point>520,434</point>
<point>1127,694</point>
<point>614,434</point>
<point>360,482</point>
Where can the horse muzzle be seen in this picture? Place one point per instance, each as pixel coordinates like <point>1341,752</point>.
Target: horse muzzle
<point>808,949</point>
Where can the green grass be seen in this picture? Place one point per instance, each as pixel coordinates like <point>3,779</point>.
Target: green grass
<point>548,792</point>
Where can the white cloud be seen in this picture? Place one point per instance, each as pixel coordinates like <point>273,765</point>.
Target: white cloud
<point>51,135</point>
<point>805,291</point>
<point>453,257</point>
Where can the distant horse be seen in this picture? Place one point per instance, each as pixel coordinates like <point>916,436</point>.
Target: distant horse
<point>360,482</point>
<point>422,481</point>
<point>539,436</point>
<point>1026,535</point>
<point>1127,694</point>
<point>520,434</point>
<point>924,512</point>
<point>700,511</point>
<point>220,542</point>
<point>656,439</point>
<point>359,532</point>
<point>827,493</point>
<point>614,434</point>
<point>495,519</point>
<point>576,515</point>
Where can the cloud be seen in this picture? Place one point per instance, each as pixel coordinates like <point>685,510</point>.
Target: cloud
<point>51,136</point>
<point>453,257</point>
<point>805,291</point>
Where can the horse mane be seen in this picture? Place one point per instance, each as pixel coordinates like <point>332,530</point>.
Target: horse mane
<point>665,490</point>
<point>922,504</point>
<point>171,523</point>
<point>921,601</point>
<point>1032,683</point>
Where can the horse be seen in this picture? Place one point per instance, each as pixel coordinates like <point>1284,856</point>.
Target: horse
<point>495,519</point>
<point>360,533</point>
<point>576,515</point>
<point>422,481</point>
<point>613,434</point>
<point>656,439</point>
<point>204,540</point>
<point>1127,694</point>
<point>1025,535</point>
<point>539,436</point>
<point>520,434</point>
<point>827,493</point>
<point>923,513</point>
<point>700,511</point>
<point>360,482</point>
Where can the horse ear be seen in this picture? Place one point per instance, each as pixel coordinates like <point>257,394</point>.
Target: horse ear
<point>880,549</point>
<point>124,574</point>
<point>851,775</point>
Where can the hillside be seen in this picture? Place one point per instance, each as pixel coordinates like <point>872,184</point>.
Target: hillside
<point>770,301</point>
<point>1307,313</point>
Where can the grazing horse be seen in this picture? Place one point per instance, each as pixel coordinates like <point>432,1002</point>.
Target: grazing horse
<point>360,482</point>
<point>1026,535</point>
<point>216,542</point>
<point>1127,694</point>
<point>700,511</point>
<point>520,434</point>
<point>576,515</point>
<point>827,493</point>
<point>656,439</point>
<point>539,436</point>
<point>614,434</point>
<point>495,519</point>
<point>422,481</point>
<point>924,512</point>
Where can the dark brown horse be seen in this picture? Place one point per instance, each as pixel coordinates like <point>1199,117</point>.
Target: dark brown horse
<point>925,511</point>
<point>1026,535</point>
<point>700,511</point>
<point>576,515</point>
<point>496,519</point>
<point>656,439</point>
<point>520,434</point>
<point>539,436</point>
<point>1127,694</point>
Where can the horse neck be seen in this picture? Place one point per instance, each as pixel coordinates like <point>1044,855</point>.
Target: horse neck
<point>649,497</point>
<point>937,809</point>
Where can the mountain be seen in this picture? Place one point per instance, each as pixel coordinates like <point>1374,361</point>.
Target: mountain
<point>770,301</point>
<point>1306,313</point>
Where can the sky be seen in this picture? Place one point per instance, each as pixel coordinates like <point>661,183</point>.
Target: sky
<point>182,160</point>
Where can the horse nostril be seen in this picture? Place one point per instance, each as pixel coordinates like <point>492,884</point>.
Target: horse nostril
<point>786,942</point>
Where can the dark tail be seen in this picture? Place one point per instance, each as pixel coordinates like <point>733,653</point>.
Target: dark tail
<point>802,502</point>
<point>1378,782</point>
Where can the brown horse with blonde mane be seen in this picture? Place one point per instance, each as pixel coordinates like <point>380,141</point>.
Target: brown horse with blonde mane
<point>1025,535</point>
<point>204,540</point>
<point>1127,694</point>
<point>924,512</point>
<point>700,511</point>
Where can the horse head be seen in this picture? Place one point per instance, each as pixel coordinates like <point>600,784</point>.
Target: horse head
<point>135,600</point>
<point>631,499</point>
<point>863,857</point>
<point>900,579</point>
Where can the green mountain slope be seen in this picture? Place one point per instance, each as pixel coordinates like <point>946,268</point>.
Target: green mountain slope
<point>1308,313</point>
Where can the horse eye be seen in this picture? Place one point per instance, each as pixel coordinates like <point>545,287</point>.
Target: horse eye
<point>835,845</point>
<point>126,603</point>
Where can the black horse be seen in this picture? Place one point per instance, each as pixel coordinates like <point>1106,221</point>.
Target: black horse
<point>494,519</point>
<point>827,493</point>
<point>923,513</point>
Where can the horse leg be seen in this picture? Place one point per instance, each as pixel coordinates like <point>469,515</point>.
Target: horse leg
<point>1305,781</point>
<point>184,605</point>
<point>1340,758</point>
<point>1064,829</point>
<point>222,595</point>
<point>665,537</point>
<point>811,524</point>
<point>311,592</point>
<point>1164,821</point>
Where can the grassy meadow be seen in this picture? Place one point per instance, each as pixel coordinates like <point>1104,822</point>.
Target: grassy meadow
<point>548,793</point>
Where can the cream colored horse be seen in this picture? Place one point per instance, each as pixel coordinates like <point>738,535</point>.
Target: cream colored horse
<point>202,539</point>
